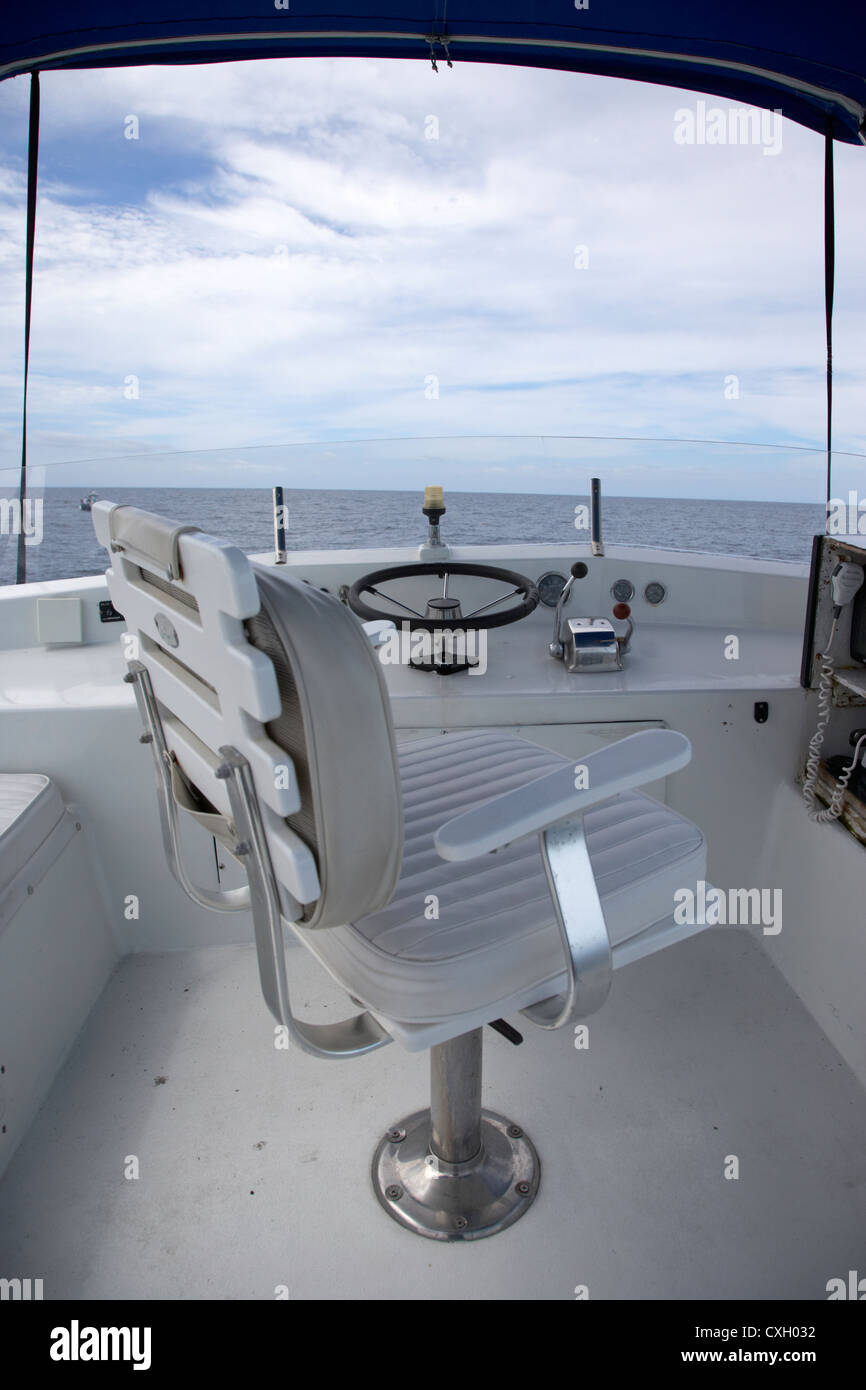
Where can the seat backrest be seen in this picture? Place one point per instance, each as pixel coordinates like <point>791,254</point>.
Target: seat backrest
<point>239,655</point>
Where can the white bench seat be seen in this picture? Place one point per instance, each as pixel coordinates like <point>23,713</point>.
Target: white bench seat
<point>56,945</point>
<point>34,829</point>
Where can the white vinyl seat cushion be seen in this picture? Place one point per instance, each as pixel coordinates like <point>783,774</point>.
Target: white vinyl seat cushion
<point>496,935</point>
<point>30,808</point>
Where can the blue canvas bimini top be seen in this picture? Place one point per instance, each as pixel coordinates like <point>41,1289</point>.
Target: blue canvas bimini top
<point>807,60</point>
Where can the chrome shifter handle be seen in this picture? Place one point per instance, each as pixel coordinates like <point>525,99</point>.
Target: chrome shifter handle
<point>578,571</point>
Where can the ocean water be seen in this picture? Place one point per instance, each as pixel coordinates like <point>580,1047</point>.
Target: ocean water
<point>327,520</point>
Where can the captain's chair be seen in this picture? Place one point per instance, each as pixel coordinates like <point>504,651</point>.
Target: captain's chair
<point>443,884</point>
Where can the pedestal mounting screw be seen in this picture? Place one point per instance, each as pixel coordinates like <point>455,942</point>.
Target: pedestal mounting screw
<point>524,1188</point>
<point>396,1136</point>
<point>515,1132</point>
<point>394,1192</point>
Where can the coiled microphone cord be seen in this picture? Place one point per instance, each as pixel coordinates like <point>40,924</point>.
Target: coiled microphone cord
<point>816,742</point>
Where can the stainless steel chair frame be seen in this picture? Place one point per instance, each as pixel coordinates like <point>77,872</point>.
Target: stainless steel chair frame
<point>349,1037</point>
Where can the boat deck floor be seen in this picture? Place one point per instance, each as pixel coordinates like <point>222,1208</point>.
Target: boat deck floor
<point>254,1163</point>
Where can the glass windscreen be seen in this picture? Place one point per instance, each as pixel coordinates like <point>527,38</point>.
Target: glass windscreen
<point>368,495</point>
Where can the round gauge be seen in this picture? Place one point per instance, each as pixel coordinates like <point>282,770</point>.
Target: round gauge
<point>655,592</point>
<point>622,590</point>
<point>549,587</point>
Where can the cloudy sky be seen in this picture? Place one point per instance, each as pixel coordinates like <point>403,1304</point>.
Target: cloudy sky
<point>309,252</point>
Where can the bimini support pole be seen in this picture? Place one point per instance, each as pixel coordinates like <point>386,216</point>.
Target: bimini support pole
<point>32,165</point>
<point>829,276</point>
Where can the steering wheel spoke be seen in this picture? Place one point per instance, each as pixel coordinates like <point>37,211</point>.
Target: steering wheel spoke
<point>492,603</point>
<point>389,599</point>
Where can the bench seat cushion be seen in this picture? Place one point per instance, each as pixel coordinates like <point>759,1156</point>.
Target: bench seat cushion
<point>30,808</point>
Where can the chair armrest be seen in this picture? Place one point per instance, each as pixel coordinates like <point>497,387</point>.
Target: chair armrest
<point>628,763</point>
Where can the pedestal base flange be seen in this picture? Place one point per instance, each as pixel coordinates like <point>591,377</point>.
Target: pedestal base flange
<point>463,1201</point>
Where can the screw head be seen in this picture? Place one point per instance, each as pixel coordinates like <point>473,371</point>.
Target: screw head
<point>524,1188</point>
<point>396,1136</point>
<point>515,1132</point>
<point>394,1192</point>
<point>461,1223</point>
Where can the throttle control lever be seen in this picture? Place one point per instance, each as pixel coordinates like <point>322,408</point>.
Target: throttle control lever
<point>578,571</point>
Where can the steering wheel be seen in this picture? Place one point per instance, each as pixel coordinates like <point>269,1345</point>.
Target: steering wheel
<point>443,610</point>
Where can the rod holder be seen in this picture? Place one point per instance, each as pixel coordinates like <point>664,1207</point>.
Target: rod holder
<point>280,519</point>
<point>595,516</point>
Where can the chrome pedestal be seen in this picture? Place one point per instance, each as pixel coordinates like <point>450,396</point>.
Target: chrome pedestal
<point>455,1171</point>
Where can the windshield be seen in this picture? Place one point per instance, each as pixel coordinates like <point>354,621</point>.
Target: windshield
<point>509,491</point>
